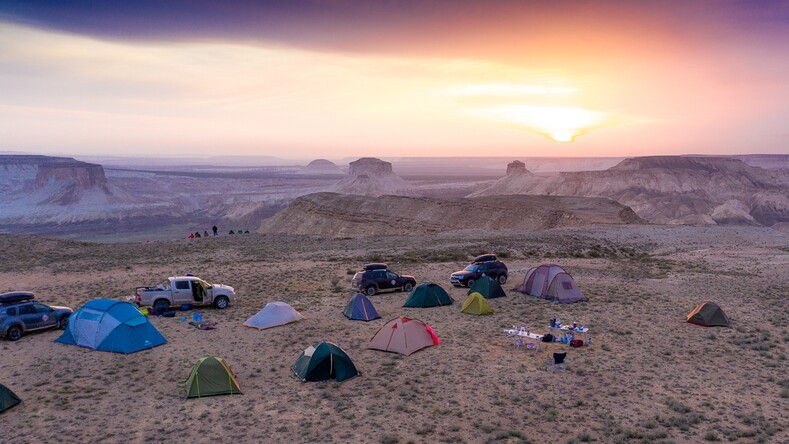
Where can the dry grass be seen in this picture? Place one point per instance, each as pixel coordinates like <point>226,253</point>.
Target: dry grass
<point>648,376</point>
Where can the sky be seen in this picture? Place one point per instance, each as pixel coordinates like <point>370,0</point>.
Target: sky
<point>343,78</point>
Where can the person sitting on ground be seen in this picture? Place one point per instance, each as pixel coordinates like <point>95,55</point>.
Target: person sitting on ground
<point>197,234</point>
<point>191,235</point>
<point>231,232</point>
<point>205,233</point>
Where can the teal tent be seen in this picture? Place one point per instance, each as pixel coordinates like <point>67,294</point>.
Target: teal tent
<point>7,398</point>
<point>324,361</point>
<point>428,295</point>
<point>488,287</point>
<point>360,308</point>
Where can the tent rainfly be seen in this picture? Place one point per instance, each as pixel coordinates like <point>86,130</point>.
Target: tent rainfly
<point>8,398</point>
<point>404,336</point>
<point>273,314</point>
<point>211,376</point>
<point>428,295</point>
<point>360,308</point>
<point>488,287</point>
<point>324,361</point>
<point>477,305</point>
<point>551,282</point>
<point>708,314</point>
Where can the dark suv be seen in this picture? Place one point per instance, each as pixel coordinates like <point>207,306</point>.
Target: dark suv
<point>484,265</point>
<point>376,277</point>
<point>20,314</point>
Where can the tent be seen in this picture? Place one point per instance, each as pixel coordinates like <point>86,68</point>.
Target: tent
<point>488,287</point>
<point>7,398</point>
<point>404,336</point>
<point>708,314</point>
<point>108,325</point>
<point>550,281</point>
<point>324,361</point>
<point>211,376</point>
<point>428,295</point>
<point>476,304</point>
<point>273,314</point>
<point>360,308</point>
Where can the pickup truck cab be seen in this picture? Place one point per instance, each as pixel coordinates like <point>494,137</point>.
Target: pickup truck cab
<point>184,290</point>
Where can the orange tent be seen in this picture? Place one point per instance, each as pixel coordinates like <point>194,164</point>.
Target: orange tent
<point>404,336</point>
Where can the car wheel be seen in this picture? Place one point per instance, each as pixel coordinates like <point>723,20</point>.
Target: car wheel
<point>502,279</point>
<point>13,333</point>
<point>470,283</point>
<point>370,290</point>
<point>63,324</point>
<point>161,306</point>
<point>222,302</point>
<point>407,287</point>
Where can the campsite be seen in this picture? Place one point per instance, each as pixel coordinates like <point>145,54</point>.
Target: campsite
<point>648,375</point>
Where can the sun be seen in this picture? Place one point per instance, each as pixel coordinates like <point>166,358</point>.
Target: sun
<point>558,123</point>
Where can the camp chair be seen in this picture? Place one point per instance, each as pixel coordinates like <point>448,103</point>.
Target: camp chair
<point>557,361</point>
<point>533,346</point>
<point>519,343</point>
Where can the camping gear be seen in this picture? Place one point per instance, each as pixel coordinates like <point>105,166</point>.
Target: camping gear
<point>360,308</point>
<point>324,361</point>
<point>477,305</point>
<point>708,314</point>
<point>488,287</point>
<point>548,338</point>
<point>186,307</point>
<point>551,282</point>
<point>576,343</point>
<point>8,398</point>
<point>557,361</point>
<point>273,314</point>
<point>209,377</point>
<point>108,325</point>
<point>428,295</point>
<point>404,336</point>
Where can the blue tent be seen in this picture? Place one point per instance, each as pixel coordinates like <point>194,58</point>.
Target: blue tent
<point>114,326</point>
<point>360,308</point>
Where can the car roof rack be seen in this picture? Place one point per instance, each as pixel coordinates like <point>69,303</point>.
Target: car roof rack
<point>16,296</point>
<point>375,266</point>
<point>484,258</point>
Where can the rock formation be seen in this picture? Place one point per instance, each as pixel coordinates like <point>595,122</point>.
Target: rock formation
<point>321,167</point>
<point>517,167</point>
<point>331,214</point>
<point>671,189</point>
<point>369,176</point>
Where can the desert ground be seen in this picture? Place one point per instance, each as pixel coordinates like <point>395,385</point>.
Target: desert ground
<point>647,376</point>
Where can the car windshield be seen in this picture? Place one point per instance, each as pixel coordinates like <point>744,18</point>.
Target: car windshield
<point>472,267</point>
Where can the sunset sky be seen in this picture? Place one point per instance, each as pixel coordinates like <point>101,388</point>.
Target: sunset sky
<point>337,78</point>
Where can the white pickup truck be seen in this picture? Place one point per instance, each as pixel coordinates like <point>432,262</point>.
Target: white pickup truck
<point>184,290</point>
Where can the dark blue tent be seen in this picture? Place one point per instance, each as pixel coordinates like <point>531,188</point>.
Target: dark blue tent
<point>360,308</point>
<point>108,325</point>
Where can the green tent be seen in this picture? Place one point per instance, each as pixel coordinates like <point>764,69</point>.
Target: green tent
<point>477,305</point>
<point>428,295</point>
<point>7,398</point>
<point>324,361</point>
<point>488,287</point>
<point>211,376</point>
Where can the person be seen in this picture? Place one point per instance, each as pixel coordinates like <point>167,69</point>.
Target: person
<point>231,232</point>
<point>216,230</point>
<point>205,233</point>
<point>197,234</point>
<point>191,235</point>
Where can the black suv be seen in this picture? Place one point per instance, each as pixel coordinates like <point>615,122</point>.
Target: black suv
<point>376,277</point>
<point>484,265</point>
<point>20,314</point>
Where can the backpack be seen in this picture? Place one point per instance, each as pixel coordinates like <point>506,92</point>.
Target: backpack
<point>547,338</point>
<point>576,343</point>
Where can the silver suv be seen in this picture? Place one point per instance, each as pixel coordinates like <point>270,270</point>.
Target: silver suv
<point>20,314</point>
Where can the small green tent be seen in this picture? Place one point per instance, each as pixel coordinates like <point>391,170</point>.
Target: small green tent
<point>708,314</point>
<point>477,305</point>
<point>324,361</point>
<point>7,398</point>
<point>488,287</point>
<point>428,295</point>
<point>211,376</point>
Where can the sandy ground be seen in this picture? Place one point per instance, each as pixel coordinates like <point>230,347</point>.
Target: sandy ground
<point>647,377</point>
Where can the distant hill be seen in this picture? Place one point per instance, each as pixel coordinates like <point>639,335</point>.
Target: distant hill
<point>670,189</point>
<point>331,214</point>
